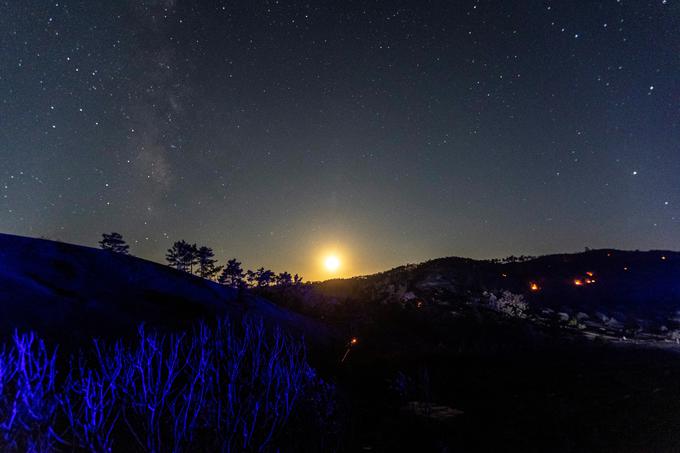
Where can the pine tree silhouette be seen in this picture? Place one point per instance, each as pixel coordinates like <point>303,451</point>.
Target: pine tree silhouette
<point>114,243</point>
<point>182,256</point>
<point>206,263</point>
<point>264,277</point>
<point>232,275</point>
<point>251,278</point>
<point>284,279</point>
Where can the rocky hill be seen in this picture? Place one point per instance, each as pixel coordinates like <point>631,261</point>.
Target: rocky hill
<point>633,281</point>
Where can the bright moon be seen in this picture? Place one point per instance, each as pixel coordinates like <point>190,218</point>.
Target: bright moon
<point>332,263</point>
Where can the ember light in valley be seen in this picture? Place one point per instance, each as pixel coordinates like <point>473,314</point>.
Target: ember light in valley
<point>352,342</point>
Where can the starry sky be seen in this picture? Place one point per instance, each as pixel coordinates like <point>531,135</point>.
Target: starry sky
<point>385,131</point>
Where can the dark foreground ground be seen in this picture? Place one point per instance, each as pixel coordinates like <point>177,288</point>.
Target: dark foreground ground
<point>567,399</point>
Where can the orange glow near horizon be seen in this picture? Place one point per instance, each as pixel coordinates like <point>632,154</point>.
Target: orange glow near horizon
<point>329,263</point>
<point>578,282</point>
<point>534,286</point>
<point>332,263</point>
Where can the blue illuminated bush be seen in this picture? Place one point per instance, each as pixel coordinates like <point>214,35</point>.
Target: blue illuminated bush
<point>28,403</point>
<point>222,388</point>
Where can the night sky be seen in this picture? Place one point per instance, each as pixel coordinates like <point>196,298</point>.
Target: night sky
<point>386,131</point>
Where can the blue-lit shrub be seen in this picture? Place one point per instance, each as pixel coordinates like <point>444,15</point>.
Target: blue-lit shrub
<point>221,388</point>
<point>28,400</point>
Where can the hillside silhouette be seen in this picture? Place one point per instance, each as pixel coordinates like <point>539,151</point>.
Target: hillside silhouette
<point>73,292</point>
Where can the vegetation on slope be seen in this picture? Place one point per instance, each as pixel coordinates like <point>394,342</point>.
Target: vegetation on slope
<point>222,388</point>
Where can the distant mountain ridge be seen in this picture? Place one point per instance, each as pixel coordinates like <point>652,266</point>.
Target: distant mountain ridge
<point>633,281</point>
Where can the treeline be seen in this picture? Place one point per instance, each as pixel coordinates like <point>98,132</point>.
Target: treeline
<point>512,259</point>
<point>200,261</point>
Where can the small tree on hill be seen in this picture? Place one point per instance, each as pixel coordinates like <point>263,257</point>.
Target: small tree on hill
<point>114,243</point>
<point>297,280</point>
<point>284,279</point>
<point>264,277</point>
<point>251,278</point>
<point>174,255</point>
<point>182,256</point>
<point>206,263</point>
<point>260,278</point>
<point>232,275</point>
<point>190,257</point>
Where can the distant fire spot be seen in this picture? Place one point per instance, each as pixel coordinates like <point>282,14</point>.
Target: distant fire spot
<point>534,286</point>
